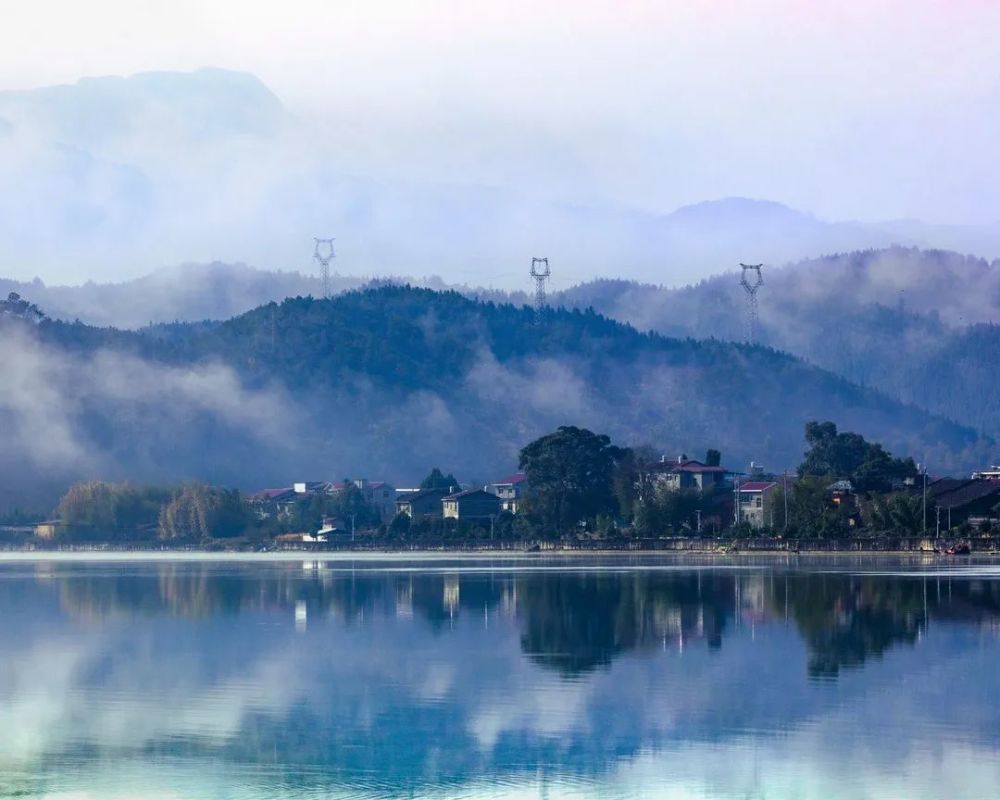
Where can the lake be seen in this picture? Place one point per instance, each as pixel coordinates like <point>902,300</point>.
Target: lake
<point>530,677</point>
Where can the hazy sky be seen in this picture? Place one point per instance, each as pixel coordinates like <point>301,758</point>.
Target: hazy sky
<point>861,109</point>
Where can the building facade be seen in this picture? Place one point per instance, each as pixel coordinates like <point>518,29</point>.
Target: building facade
<point>472,504</point>
<point>755,503</point>
<point>422,503</point>
<point>687,473</point>
<point>510,491</point>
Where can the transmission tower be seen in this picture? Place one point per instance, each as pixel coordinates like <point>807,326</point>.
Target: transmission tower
<point>540,272</point>
<point>751,283</point>
<point>324,255</point>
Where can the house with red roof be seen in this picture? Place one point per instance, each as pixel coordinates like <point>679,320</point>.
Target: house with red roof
<point>688,473</point>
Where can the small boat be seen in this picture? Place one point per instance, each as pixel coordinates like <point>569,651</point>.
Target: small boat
<point>960,549</point>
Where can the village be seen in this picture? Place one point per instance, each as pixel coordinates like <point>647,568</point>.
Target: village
<point>572,486</point>
<point>719,500</point>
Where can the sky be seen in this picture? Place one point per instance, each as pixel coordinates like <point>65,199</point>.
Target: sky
<point>871,110</point>
<point>454,138</point>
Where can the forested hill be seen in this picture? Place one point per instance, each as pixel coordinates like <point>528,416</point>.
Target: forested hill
<point>387,382</point>
<point>918,325</point>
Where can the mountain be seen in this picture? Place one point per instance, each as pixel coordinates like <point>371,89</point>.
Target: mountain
<point>186,293</point>
<point>113,177</point>
<point>110,116</point>
<point>388,382</point>
<point>920,326</point>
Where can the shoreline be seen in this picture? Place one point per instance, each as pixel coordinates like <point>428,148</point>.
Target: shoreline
<point>436,550</point>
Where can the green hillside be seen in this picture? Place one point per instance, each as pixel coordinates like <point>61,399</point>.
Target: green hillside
<point>387,382</point>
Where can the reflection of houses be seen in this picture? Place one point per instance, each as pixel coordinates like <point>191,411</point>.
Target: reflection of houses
<point>755,504</point>
<point>510,491</point>
<point>687,473</point>
<point>471,504</point>
<point>974,501</point>
<point>422,503</point>
<point>452,593</point>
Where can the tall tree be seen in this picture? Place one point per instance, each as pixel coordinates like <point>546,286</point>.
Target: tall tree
<point>571,475</point>
<point>438,480</point>
<point>204,512</point>
<point>867,465</point>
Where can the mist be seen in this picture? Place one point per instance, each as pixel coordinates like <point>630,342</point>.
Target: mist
<point>111,178</point>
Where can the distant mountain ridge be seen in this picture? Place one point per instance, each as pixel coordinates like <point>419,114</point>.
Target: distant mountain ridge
<point>114,176</point>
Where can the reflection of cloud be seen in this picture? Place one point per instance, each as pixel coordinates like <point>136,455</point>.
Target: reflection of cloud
<point>461,709</point>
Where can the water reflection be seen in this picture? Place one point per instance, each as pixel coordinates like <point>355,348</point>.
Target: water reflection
<point>303,679</point>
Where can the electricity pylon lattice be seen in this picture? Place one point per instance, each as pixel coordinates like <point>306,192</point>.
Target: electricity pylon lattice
<point>751,283</point>
<point>324,254</point>
<point>540,272</point>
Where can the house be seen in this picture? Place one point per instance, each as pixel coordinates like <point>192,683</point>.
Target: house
<point>687,473</point>
<point>991,474</point>
<point>510,491</point>
<point>470,504</point>
<point>277,501</point>
<point>964,500</point>
<point>378,494</point>
<point>421,503</point>
<point>755,503</point>
<point>312,487</point>
<point>49,529</point>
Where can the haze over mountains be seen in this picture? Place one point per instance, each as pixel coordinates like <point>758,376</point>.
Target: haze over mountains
<point>107,180</point>
<point>111,178</point>
<point>919,326</point>
<point>388,382</point>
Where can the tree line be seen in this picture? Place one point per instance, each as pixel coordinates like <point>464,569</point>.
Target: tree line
<point>579,483</point>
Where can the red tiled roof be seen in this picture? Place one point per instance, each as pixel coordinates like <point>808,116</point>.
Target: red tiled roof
<point>757,486</point>
<point>512,480</point>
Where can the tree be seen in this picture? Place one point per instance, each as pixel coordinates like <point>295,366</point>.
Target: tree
<point>667,510</point>
<point>713,458</point>
<point>204,512</point>
<point>438,480</point>
<point>101,510</point>
<point>868,466</point>
<point>811,512</point>
<point>900,514</point>
<point>571,475</point>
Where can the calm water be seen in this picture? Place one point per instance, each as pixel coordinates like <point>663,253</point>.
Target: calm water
<point>500,678</point>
